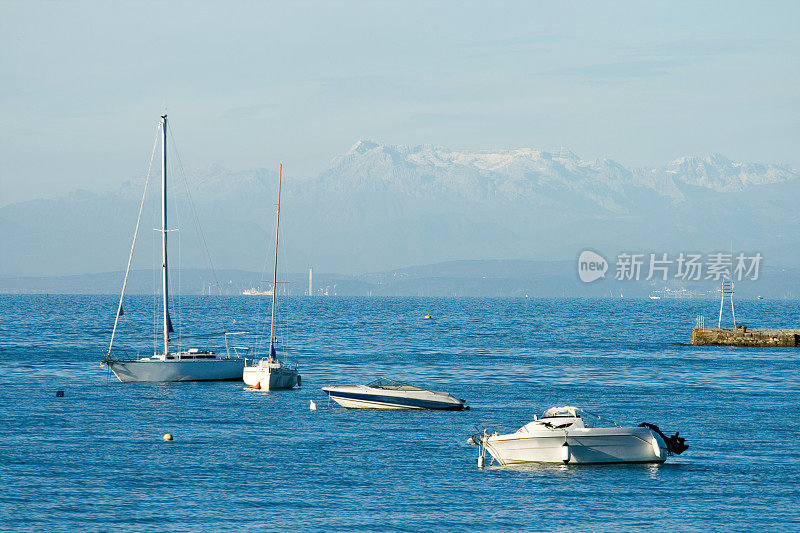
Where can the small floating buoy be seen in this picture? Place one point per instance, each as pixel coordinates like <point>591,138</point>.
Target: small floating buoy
<point>565,453</point>
<point>59,393</point>
<point>481,461</point>
<point>427,317</point>
<point>257,386</point>
<point>167,436</point>
<point>312,406</point>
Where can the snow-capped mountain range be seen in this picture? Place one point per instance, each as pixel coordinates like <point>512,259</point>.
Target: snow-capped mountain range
<point>379,207</point>
<point>525,173</point>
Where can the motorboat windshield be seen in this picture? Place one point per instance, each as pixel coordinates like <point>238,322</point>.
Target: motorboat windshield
<point>390,384</point>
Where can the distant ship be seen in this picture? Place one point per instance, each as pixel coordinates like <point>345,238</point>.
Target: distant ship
<point>680,294</point>
<point>256,292</point>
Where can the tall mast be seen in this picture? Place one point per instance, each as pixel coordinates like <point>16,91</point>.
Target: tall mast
<point>164,277</point>
<point>275,271</point>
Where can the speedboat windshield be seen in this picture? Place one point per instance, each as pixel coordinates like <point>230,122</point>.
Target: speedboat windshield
<point>390,384</point>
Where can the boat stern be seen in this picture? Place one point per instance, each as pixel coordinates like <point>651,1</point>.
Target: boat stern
<point>271,376</point>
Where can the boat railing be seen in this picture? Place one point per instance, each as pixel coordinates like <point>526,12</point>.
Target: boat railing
<point>500,427</point>
<point>598,417</point>
<point>257,362</point>
<point>240,351</point>
<point>192,356</point>
<point>124,353</point>
<point>503,428</point>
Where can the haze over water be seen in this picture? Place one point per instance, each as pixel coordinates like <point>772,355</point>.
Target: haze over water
<point>94,460</point>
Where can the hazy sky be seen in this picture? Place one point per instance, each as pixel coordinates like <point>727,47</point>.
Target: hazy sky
<point>250,83</point>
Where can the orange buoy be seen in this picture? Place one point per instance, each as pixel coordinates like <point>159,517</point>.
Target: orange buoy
<point>257,386</point>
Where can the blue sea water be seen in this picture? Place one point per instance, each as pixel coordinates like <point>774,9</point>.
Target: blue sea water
<point>94,459</point>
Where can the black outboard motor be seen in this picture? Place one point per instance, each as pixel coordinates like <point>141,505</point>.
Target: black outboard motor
<point>675,444</point>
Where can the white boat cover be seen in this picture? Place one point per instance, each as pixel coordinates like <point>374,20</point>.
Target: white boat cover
<point>567,410</point>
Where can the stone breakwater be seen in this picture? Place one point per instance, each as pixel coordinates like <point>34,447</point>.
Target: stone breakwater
<point>744,336</point>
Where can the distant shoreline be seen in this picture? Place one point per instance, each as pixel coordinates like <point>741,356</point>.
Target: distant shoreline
<point>460,279</point>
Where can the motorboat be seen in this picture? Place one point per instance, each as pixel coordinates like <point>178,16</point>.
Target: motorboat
<point>562,435</point>
<point>384,393</point>
<point>270,372</point>
<point>182,365</point>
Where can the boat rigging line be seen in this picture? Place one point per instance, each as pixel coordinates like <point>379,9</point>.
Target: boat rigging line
<point>198,227</point>
<point>133,244</point>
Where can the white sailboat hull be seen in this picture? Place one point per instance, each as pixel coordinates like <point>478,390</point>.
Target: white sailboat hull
<point>154,370</point>
<point>271,376</point>
<point>365,397</point>
<point>586,446</point>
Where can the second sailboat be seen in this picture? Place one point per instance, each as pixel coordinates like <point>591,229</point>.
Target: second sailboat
<point>270,373</point>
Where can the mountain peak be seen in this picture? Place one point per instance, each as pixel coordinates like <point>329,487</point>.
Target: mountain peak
<point>717,172</point>
<point>565,153</point>
<point>362,146</point>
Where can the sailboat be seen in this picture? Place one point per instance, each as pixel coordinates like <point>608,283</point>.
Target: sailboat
<point>270,373</point>
<point>189,365</point>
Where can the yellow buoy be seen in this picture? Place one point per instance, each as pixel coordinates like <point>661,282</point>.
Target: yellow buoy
<point>167,436</point>
<point>427,316</point>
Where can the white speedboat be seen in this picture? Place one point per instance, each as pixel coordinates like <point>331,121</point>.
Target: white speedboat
<point>189,365</point>
<point>270,373</point>
<point>562,436</point>
<point>386,393</point>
